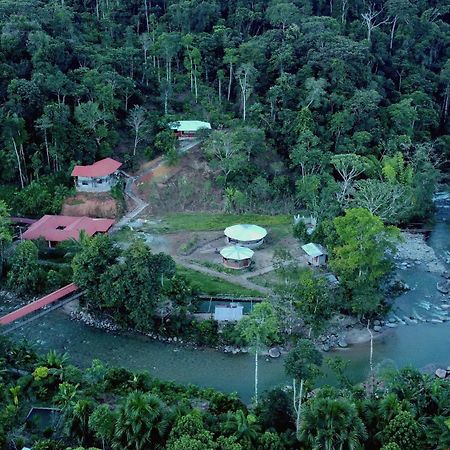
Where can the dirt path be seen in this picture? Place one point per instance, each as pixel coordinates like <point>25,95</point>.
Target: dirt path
<point>130,192</point>
<point>241,281</point>
<point>140,205</point>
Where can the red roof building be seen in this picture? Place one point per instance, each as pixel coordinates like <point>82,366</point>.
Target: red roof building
<point>98,177</point>
<point>56,229</point>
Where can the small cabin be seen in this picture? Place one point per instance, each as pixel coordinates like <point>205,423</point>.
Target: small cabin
<point>236,257</point>
<point>245,235</point>
<point>188,129</point>
<point>98,177</point>
<point>228,313</point>
<point>316,255</point>
<point>56,229</point>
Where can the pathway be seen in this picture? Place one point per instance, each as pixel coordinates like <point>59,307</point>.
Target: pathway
<point>235,279</point>
<point>129,191</point>
<point>38,304</point>
<point>141,205</point>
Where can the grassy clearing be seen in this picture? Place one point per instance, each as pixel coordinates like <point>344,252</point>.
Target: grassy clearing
<point>207,284</point>
<point>210,221</point>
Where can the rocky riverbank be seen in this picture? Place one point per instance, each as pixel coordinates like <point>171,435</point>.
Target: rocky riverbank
<point>415,252</point>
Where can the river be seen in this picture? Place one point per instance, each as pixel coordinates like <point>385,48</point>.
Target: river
<point>417,345</point>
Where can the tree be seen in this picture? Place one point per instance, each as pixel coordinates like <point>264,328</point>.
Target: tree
<point>259,329</point>
<point>97,255</point>
<point>246,75</point>
<point>404,431</point>
<point>332,422</point>
<point>132,289</point>
<point>372,20</point>
<point>302,364</point>
<point>137,422</point>
<point>102,423</point>
<point>137,122</point>
<point>25,276</point>
<point>226,152</point>
<point>189,432</point>
<point>363,253</point>
<point>349,167</point>
<point>313,300</point>
<point>391,202</point>
<point>5,232</point>
<point>243,426</point>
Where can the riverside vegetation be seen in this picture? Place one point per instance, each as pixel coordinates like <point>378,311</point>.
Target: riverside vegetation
<point>113,408</point>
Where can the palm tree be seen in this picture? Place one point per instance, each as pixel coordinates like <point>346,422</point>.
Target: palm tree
<point>79,420</point>
<point>332,423</point>
<point>244,427</point>
<point>138,422</point>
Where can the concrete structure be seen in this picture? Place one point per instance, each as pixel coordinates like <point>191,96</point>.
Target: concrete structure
<point>98,177</point>
<point>236,257</point>
<point>187,129</point>
<point>310,222</point>
<point>228,313</point>
<point>55,229</point>
<point>245,235</point>
<point>315,254</point>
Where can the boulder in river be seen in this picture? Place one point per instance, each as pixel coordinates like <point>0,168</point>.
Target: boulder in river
<point>377,328</point>
<point>441,373</point>
<point>443,286</point>
<point>274,352</point>
<point>342,343</point>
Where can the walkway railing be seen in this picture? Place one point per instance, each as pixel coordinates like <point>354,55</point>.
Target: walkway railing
<point>38,304</point>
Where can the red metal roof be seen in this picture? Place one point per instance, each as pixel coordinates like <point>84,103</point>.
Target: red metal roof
<point>62,228</point>
<point>100,168</point>
<point>38,304</point>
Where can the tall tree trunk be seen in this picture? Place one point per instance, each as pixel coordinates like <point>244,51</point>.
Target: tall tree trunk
<point>299,407</point>
<point>220,92</point>
<point>146,16</point>
<point>394,23</point>
<point>46,147</point>
<point>256,377</point>
<point>18,163</point>
<point>230,81</point>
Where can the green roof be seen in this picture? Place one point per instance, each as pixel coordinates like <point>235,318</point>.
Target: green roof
<point>189,125</point>
<point>314,249</point>
<point>245,232</point>
<point>236,252</point>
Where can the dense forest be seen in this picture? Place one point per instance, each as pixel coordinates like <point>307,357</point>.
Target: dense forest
<point>336,109</point>
<point>104,407</point>
<point>319,105</point>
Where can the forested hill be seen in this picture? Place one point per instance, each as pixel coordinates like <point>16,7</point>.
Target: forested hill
<point>311,79</point>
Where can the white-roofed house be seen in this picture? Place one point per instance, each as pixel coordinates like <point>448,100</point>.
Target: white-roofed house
<point>228,313</point>
<point>315,254</point>
<point>236,257</point>
<point>245,235</point>
<point>187,129</point>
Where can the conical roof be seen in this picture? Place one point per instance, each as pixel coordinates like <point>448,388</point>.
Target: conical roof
<point>236,252</point>
<point>245,232</point>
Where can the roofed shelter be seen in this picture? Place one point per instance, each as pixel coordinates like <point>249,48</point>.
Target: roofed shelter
<point>315,254</point>
<point>97,177</point>
<point>245,235</point>
<point>236,257</point>
<point>228,313</point>
<point>55,229</point>
<point>187,129</point>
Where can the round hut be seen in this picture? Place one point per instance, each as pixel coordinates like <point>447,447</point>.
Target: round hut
<point>245,235</point>
<point>236,257</point>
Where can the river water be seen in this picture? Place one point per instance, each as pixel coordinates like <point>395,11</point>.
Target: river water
<point>418,344</point>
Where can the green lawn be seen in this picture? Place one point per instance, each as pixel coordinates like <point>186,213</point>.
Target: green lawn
<point>207,284</point>
<point>210,221</point>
